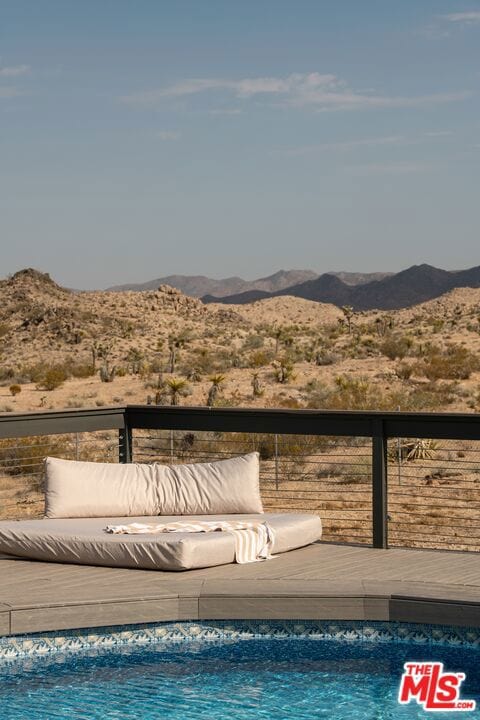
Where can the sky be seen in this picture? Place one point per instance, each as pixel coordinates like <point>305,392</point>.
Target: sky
<point>142,138</point>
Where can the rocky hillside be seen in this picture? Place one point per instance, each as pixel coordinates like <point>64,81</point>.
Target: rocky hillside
<point>40,318</point>
<point>60,349</point>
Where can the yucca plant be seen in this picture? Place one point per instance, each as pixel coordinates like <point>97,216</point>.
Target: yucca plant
<point>421,449</point>
<point>256,386</point>
<point>176,387</point>
<point>417,449</point>
<point>216,381</point>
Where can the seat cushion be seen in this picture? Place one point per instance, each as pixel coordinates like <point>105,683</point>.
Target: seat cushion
<point>84,541</point>
<point>88,489</point>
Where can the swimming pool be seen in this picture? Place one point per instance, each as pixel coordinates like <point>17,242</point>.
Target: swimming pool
<point>245,671</point>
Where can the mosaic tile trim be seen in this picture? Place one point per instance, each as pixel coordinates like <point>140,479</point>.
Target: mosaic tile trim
<point>22,646</point>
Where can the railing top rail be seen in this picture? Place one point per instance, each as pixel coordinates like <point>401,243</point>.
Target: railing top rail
<point>358,423</point>
<point>53,422</point>
<point>257,420</point>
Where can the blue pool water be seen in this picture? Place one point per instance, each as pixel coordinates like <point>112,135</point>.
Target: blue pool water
<point>244,679</point>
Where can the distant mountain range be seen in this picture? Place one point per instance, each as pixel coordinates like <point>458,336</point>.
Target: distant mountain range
<point>417,284</point>
<point>200,286</point>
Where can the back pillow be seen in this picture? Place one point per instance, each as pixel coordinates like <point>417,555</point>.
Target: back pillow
<point>89,489</point>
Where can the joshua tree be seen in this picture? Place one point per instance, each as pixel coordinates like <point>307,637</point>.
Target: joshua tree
<point>176,387</point>
<point>383,323</point>
<point>348,315</point>
<point>193,375</point>
<point>283,370</point>
<point>278,334</point>
<point>216,381</point>
<point>106,373</point>
<point>173,345</point>
<point>102,351</point>
<point>256,387</point>
<point>134,358</point>
<point>94,350</point>
<point>175,342</point>
<point>160,390</point>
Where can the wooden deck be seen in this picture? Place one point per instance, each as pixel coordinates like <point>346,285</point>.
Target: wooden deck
<point>321,581</point>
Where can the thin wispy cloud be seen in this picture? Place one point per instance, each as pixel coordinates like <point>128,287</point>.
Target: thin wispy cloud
<point>395,168</point>
<point>320,92</point>
<point>14,71</point>
<point>9,92</point>
<point>438,133</point>
<point>464,18</point>
<point>345,145</point>
<point>168,135</point>
<point>225,111</point>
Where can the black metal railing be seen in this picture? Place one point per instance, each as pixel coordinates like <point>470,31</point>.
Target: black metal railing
<point>375,478</point>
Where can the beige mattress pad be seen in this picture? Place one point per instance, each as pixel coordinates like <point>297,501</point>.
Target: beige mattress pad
<point>84,541</point>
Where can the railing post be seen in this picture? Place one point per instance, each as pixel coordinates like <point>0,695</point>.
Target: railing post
<point>379,486</point>
<point>125,444</point>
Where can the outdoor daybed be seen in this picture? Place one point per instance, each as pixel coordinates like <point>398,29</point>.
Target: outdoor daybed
<point>83,498</point>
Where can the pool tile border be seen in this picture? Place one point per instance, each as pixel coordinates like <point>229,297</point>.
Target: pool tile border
<point>44,644</point>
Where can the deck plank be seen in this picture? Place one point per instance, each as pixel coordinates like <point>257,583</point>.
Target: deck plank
<point>323,581</point>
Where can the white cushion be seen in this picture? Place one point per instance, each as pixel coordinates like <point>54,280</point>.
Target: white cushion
<point>89,489</point>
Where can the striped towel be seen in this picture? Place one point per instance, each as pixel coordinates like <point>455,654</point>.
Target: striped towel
<point>253,540</point>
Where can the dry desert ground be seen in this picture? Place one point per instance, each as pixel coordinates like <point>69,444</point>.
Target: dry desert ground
<point>63,349</point>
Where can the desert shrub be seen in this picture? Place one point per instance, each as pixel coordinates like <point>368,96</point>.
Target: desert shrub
<point>437,324</point>
<point>6,374</point>
<point>428,396</point>
<point>282,401</point>
<point>74,403</point>
<point>80,370</point>
<point>260,358</point>
<point>324,357</point>
<point>316,393</point>
<point>359,471</point>
<point>155,366</point>
<point>266,444</point>
<point>15,390</point>
<point>53,378</point>
<point>135,355</point>
<point>24,456</point>
<point>226,359</point>
<point>454,363</point>
<point>351,393</point>
<point>253,342</point>
<point>360,348</point>
<point>33,373</point>
<point>126,329</point>
<point>404,371</point>
<point>396,346</point>
<point>204,361</point>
